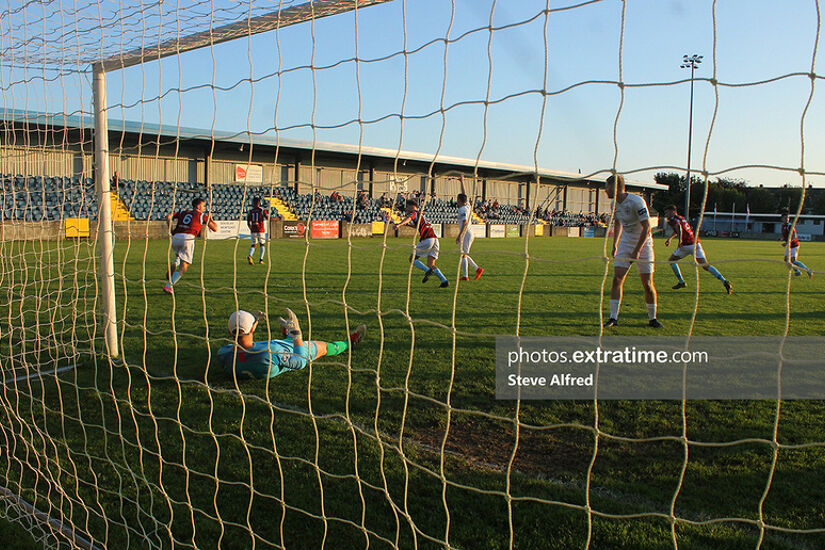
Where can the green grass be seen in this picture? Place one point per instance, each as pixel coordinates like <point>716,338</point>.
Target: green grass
<point>159,449</point>
<point>15,536</point>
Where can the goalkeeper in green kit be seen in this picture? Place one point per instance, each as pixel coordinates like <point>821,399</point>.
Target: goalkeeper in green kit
<point>266,359</point>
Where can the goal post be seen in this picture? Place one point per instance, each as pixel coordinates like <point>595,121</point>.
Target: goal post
<point>105,227</point>
<point>283,17</point>
<point>280,18</point>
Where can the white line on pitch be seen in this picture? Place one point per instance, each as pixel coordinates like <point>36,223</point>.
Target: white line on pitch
<point>38,374</point>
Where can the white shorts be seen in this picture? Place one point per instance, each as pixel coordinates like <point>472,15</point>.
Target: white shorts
<point>427,247</point>
<point>183,247</point>
<point>687,251</point>
<point>467,242</point>
<point>792,251</point>
<point>258,238</point>
<point>625,249</point>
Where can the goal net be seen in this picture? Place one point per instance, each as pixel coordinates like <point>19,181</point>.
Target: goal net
<point>131,418</point>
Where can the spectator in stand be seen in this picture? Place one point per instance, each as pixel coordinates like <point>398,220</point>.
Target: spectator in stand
<point>363,200</point>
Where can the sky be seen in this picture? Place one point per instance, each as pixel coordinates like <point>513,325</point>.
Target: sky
<point>427,67</point>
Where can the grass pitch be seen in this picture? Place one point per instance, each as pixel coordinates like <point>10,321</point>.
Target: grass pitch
<point>165,450</point>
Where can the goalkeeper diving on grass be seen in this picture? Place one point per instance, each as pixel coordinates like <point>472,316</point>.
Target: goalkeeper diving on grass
<point>269,358</point>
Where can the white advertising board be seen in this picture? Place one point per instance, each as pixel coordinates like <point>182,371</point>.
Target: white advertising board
<point>496,231</point>
<point>229,229</point>
<point>249,173</point>
<point>479,230</point>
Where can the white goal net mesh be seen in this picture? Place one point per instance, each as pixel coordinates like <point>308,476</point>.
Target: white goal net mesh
<point>332,114</point>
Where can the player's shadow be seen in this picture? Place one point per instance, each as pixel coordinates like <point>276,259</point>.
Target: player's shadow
<point>752,316</point>
<point>556,290</point>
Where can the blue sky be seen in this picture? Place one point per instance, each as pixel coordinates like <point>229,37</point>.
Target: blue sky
<point>755,40</point>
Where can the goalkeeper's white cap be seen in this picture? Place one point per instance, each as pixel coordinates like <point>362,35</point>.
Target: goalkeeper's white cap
<point>241,322</point>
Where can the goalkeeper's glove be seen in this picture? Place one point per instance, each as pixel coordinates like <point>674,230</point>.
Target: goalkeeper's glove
<point>290,324</point>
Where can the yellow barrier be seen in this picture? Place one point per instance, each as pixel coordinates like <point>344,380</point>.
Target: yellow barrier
<point>76,227</point>
<point>377,228</point>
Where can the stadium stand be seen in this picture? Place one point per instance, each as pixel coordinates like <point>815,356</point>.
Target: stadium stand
<point>155,200</point>
<point>493,212</point>
<point>330,208</point>
<point>565,218</point>
<point>39,198</point>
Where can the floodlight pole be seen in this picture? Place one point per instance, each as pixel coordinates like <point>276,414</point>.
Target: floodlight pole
<point>105,230</point>
<point>691,63</point>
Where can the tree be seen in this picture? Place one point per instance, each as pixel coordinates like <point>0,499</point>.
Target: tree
<point>675,193</point>
<point>788,197</point>
<point>818,201</point>
<point>761,200</point>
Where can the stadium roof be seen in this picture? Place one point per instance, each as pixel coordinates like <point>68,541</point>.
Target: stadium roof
<point>85,121</point>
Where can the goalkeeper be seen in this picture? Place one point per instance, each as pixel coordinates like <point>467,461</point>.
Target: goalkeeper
<point>266,359</point>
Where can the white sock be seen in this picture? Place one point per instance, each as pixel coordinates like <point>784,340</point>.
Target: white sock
<point>251,251</point>
<point>614,308</point>
<point>463,266</point>
<point>473,265</point>
<point>651,311</point>
<point>263,248</point>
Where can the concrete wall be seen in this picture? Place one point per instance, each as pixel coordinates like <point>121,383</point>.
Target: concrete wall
<point>450,230</point>
<point>140,230</point>
<point>773,237</point>
<point>276,229</point>
<point>406,232</point>
<point>31,231</point>
<point>131,230</point>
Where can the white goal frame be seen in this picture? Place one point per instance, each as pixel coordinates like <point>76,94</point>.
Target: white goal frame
<point>292,15</point>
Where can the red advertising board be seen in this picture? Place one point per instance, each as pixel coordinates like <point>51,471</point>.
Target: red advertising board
<point>324,229</point>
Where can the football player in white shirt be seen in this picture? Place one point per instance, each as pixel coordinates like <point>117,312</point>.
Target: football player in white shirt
<point>631,243</point>
<point>465,237</point>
